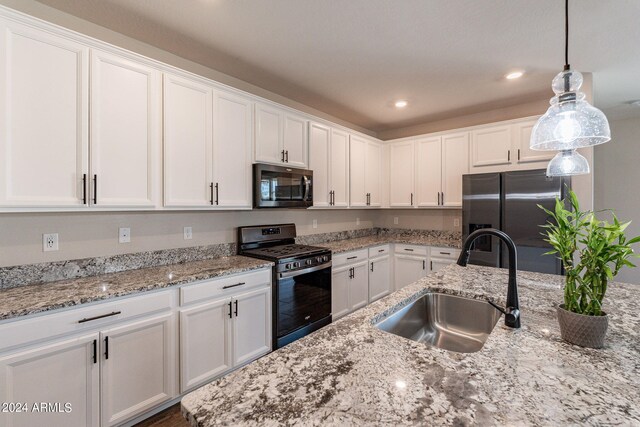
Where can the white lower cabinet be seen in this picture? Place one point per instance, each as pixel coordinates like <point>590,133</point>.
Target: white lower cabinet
<point>441,257</point>
<point>63,372</point>
<point>380,283</point>
<point>349,289</point>
<point>138,368</point>
<point>409,269</point>
<point>231,326</point>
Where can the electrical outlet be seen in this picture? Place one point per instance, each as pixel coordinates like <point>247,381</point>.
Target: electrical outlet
<point>395,220</point>
<point>315,223</point>
<point>456,222</point>
<point>188,233</point>
<point>50,242</point>
<point>357,221</point>
<point>124,235</point>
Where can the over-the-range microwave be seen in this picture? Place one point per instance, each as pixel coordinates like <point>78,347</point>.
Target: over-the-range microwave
<point>281,187</point>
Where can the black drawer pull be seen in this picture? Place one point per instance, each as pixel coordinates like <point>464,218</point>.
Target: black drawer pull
<point>95,351</point>
<point>236,310</point>
<point>353,257</point>
<point>230,315</point>
<point>233,286</point>
<point>407,249</point>
<point>84,188</point>
<point>102,316</point>
<point>106,347</point>
<point>380,250</point>
<point>445,253</point>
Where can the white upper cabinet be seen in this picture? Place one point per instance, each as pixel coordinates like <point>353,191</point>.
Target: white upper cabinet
<point>319,140</point>
<point>491,146</point>
<point>455,163</point>
<point>188,143</point>
<point>374,173</point>
<point>521,137</point>
<point>339,168</point>
<point>232,150</point>
<point>44,97</point>
<point>428,166</point>
<point>125,134</point>
<point>280,137</point>
<point>402,173</point>
<point>357,171</point>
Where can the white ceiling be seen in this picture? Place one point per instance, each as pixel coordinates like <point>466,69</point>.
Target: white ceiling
<point>352,58</point>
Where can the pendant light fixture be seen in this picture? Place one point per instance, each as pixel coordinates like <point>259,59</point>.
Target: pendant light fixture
<point>570,122</point>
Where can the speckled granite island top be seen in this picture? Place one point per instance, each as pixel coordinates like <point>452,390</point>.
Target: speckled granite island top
<point>31,299</point>
<point>347,245</point>
<point>350,373</point>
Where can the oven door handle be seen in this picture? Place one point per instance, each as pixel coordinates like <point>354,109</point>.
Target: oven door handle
<point>287,274</point>
<point>306,187</point>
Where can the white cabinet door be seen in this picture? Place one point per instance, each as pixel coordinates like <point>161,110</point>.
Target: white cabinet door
<point>340,278</point>
<point>428,166</point>
<point>357,171</point>
<point>268,134</point>
<point>125,134</point>
<point>138,368</point>
<point>295,140</point>
<point>232,151</point>
<point>339,168</point>
<point>521,138</point>
<point>373,176</point>
<point>402,171</point>
<point>409,269</point>
<point>437,264</point>
<point>205,342</point>
<point>251,325</point>
<point>44,97</point>
<point>319,140</point>
<point>380,283</point>
<point>455,163</point>
<point>359,286</point>
<point>188,142</point>
<point>63,372</point>
<point>491,146</point>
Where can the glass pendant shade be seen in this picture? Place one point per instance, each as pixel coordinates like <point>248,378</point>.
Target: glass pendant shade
<point>570,122</point>
<point>567,163</point>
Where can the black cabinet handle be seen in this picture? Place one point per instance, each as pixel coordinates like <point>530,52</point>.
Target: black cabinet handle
<point>217,197</point>
<point>430,265</point>
<point>408,250</point>
<point>282,153</point>
<point>236,310</point>
<point>445,253</point>
<point>352,257</point>
<point>102,316</point>
<point>230,315</point>
<point>424,264</point>
<point>95,351</point>
<point>508,155</point>
<point>353,272</point>
<point>372,266</point>
<point>95,189</point>
<point>106,347</point>
<point>380,250</point>
<point>442,198</point>
<point>233,286</point>
<point>84,188</point>
<point>211,193</point>
<point>518,154</point>
<point>411,199</point>
<point>286,153</point>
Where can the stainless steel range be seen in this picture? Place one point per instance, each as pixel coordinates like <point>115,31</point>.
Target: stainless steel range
<point>301,282</point>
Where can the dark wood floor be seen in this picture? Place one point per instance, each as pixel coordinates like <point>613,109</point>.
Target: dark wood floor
<point>170,417</point>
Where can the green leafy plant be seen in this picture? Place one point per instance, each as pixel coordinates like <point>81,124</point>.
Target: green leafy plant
<point>602,248</point>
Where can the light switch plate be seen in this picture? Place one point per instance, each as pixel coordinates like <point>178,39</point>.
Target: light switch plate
<point>456,222</point>
<point>124,235</point>
<point>395,220</point>
<point>50,242</point>
<point>188,233</point>
<point>357,221</point>
<point>315,223</point>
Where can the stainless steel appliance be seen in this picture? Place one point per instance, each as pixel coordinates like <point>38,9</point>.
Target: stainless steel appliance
<point>281,187</point>
<point>508,201</point>
<point>301,282</point>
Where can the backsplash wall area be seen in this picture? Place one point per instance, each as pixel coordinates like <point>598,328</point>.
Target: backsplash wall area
<point>85,235</point>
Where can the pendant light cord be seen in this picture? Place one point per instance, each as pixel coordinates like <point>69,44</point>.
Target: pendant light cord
<point>566,35</point>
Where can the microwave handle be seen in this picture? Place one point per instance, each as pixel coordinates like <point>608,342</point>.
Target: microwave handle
<point>307,184</point>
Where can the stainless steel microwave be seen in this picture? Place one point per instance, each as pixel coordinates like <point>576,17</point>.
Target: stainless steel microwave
<point>281,187</point>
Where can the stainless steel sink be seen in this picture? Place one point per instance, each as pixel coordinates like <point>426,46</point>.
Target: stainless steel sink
<point>445,321</point>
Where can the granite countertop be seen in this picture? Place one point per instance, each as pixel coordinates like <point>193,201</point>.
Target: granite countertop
<point>31,299</point>
<point>350,373</point>
<point>347,245</point>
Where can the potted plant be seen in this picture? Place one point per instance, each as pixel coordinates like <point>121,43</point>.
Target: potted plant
<point>592,252</point>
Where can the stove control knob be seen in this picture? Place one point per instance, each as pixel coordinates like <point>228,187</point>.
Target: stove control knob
<point>308,262</point>
<point>288,266</point>
<point>319,259</point>
<point>296,264</point>
<point>325,258</point>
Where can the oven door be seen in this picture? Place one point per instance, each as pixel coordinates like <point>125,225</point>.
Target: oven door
<point>282,187</point>
<point>302,297</point>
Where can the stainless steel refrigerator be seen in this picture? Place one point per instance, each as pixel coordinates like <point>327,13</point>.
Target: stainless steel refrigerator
<point>508,201</point>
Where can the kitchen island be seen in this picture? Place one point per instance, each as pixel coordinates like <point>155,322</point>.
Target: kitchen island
<point>351,373</point>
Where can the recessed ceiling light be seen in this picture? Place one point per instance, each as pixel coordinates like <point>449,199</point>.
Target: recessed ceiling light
<point>514,75</point>
<point>401,103</point>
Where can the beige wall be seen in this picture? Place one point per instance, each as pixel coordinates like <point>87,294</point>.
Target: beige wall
<point>420,219</point>
<point>617,176</point>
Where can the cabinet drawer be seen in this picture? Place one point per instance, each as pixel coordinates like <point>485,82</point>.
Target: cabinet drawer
<point>231,284</point>
<point>378,251</point>
<point>448,253</point>
<point>350,257</point>
<point>21,332</point>
<point>411,249</point>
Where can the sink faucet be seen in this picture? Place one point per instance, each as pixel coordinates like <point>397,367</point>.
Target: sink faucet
<point>512,311</point>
